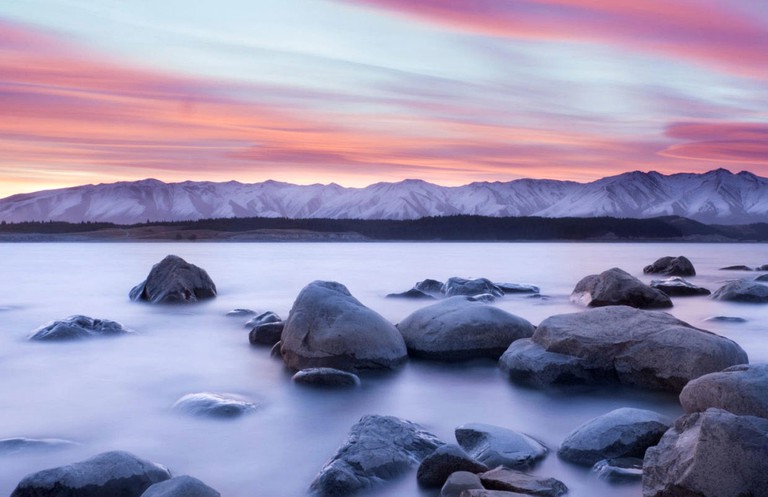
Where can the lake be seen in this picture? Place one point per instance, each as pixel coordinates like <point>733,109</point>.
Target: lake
<point>116,393</point>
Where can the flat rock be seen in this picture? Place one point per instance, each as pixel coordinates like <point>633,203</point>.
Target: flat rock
<point>174,281</point>
<point>459,482</point>
<point>181,486</point>
<point>619,469</point>
<point>709,454</point>
<point>328,327</point>
<point>378,448</point>
<point>462,286</point>
<point>326,377</point>
<point>502,478</point>
<point>497,446</point>
<point>726,319</point>
<point>517,288</point>
<point>263,318</point>
<point>739,389</point>
<point>619,344</point>
<point>617,287</point>
<point>736,268</point>
<point>214,405</point>
<point>110,474</point>
<point>490,493</point>
<point>411,294</point>
<point>671,266</point>
<point>458,328</point>
<point>742,291</point>
<point>678,287</point>
<point>10,446</point>
<point>266,334</point>
<point>77,328</point>
<point>624,432</point>
<point>447,459</point>
<point>238,313</point>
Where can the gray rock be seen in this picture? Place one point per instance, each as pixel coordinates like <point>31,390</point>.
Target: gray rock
<point>742,291</point>
<point>275,351</point>
<point>110,474</point>
<point>213,405</point>
<point>617,287</point>
<point>431,287</point>
<point>328,327</point>
<point>174,281</point>
<point>486,298</point>
<point>266,334</point>
<point>763,277</point>
<point>10,446</point>
<point>624,432</point>
<point>238,313</point>
<point>459,482</point>
<point>378,448</point>
<point>726,319</point>
<point>181,486</point>
<point>458,329</point>
<point>411,294</point>
<point>764,267</point>
<point>647,349</point>
<point>516,481</point>
<point>736,268</point>
<point>620,469</point>
<point>709,454</point>
<point>447,459</point>
<point>739,389</point>
<point>671,266</point>
<point>78,327</point>
<point>462,286</point>
<point>490,493</point>
<point>678,287</point>
<point>496,446</point>
<point>326,377</point>
<point>263,318</point>
<point>517,288</point>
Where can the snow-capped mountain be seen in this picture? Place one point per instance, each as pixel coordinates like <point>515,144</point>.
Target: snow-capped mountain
<point>715,197</point>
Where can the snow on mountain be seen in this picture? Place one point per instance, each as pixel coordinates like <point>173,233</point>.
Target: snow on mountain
<point>715,197</point>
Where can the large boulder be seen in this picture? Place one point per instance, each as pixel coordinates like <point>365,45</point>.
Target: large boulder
<point>174,281</point>
<point>447,459</point>
<point>739,389</point>
<point>510,480</point>
<point>617,287</point>
<point>709,454</point>
<point>624,432</point>
<point>78,327</point>
<point>378,448</point>
<point>647,349</point>
<point>181,486</point>
<point>214,405</point>
<point>671,266</point>
<point>328,327</point>
<point>462,286</point>
<point>678,287</point>
<point>459,328</point>
<point>110,474</point>
<point>497,446</point>
<point>742,291</point>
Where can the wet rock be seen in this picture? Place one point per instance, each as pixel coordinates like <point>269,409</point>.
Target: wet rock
<point>77,328</point>
<point>174,281</point>
<point>326,377</point>
<point>10,446</point>
<point>742,291</point>
<point>266,334</point>
<point>328,327</point>
<point>726,319</point>
<point>490,493</point>
<point>181,486</point>
<point>460,481</point>
<point>496,446</point>
<point>739,389</point>
<point>620,469</point>
<point>411,294</point>
<point>678,287</point>
<point>214,405</point>
<point>671,266</point>
<point>624,432</point>
<point>764,267</point>
<point>517,288</point>
<point>762,278</point>
<point>486,298</point>
<point>110,474</point>
<point>462,286</point>
<point>447,459</point>
<point>516,481</point>
<point>431,287</point>
<point>263,318</point>
<point>458,329</point>
<point>617,287</point>
<point>709,454</point>
<point>736,268</point>
<point>378,448</point>
<point>619,344</point>
<point>238,313</point>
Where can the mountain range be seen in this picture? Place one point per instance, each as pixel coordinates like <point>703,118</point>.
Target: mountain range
<point>715,197</point>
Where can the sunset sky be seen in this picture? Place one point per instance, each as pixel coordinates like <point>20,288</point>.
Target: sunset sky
<point>360,91</point>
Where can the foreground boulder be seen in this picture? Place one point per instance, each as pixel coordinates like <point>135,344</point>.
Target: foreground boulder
<point>110,474</point>
<point>328,327</point>
<point>510,480</point>
<point>213,405</point>
<point>678,287</point>
<point>619,344</point>
<point>326,377</point>
<point>739,389</point>
<point>447,459</point>
<point>496,446</point>
<point>624,432</point>
<point>462,286</point>
<point>181,486</point>
<point>378,448</point>
<point>617,287</point>
<point>742,291</point>
<point>671,266</point>
<point>174,281</point>
<point>459,328</point>
<point>78,327</point>
<point>709,454</point>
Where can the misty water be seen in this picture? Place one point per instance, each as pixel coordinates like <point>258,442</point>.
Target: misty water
<point>109,394</point>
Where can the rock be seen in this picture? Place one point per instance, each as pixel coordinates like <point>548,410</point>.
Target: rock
<point>764,267</point>
<point>726,319</point>
<point>266,334</point>
<point>486,298</point>
<point>742,291</point>
<point>490,493</point>
<point>617,287</point>
<point>213,405</point>
<point>736,268</point>
<point>263,318</point>
<point>411,294</point>
<point>516,481</point>
<point>647,349</point>
<point>431,287</point>
<point>447,459</point>
<point>678,287</point>
<point>328,327</point>
<point>709,454</point>
<point>378,448</point>
<point>181,486</point>
<point>619,469</point>
<point>238,313</point>
<point>174,281</point>
<point>671,266</point>
<point>462,286</point>
<point>739,389</point>
<point>110,474</point>
<point>459,482</point>
<point>516,288</point>
<point>78,327</point>
<point>459,329</point>
<point>763,277</point>
<point>275,351</point>
<point>624,432</point>
<point>15,445</point>
<point>496,446</point>
<point>326,377</point>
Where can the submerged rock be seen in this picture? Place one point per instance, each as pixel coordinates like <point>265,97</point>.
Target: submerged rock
<point>411,294</point>
<point>326,377</point>
<point>497,446</point>
<point>431,287</point>
<point>517,288</point>
<point>78,327</point>
<point>462,286</point>
<point>263,318</point>
<point>764,267</point>
<point>181,486</point>
<point>9,446</point>
<point>726,319</point>
<point>736,268</point>
<point>617,287</point>
<point>763,278</point>
<point>174,281</point>
<point>460,481</point>
<point>742,291</point>
<point>447,459</point>
<point>213,405</point>
<point>238,313</point>
<point>266,334</point>
<point>619,469</point>
<point>671,266</point>
<point>739,389</point>
<point>509,480</point>
<point>678,287</point>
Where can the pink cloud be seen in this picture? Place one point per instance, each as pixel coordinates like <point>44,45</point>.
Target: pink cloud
<point>720,142</point>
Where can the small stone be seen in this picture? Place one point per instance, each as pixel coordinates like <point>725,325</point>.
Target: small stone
<point>517,288</point>
<point>78,327</point>
<point>447,459</point>
<point>214,405</point>
<point>497,446</point>
<point>726,319</point>
<point>326,377</point>
<point>266,334</point>
<point>263,318</point>
<point>502,478</point>
<point>238,313</point>
<point>736,268</point>
<point>411,294</point>
<point>15,445</point>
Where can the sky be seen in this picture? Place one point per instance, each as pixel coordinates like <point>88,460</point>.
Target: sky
<point>361,91</point>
